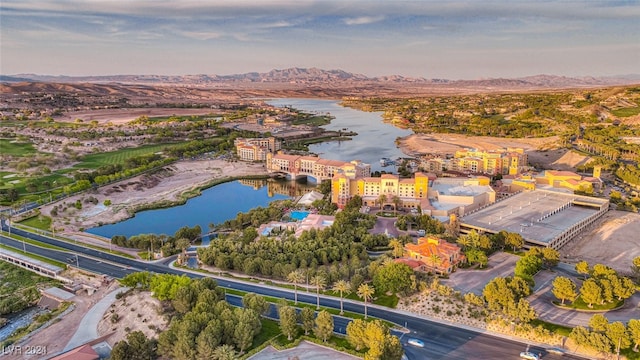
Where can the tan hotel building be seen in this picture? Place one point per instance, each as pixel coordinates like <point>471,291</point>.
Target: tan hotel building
<point>412,192</point>
<point>315,167</point>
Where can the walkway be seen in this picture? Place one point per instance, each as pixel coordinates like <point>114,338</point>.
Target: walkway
<point>88,328</point>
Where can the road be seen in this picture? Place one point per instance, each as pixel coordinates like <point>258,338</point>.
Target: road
<point>442,341</point>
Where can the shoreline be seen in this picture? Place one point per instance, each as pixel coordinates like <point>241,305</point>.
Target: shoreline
<point>173,185</point>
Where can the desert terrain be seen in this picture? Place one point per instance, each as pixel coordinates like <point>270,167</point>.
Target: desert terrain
<point>542,152</point>
<point>613,241</point>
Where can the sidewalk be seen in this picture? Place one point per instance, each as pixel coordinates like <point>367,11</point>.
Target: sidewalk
<point>88,328</point>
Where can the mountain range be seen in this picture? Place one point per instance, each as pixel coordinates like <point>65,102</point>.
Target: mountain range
<point>318,77</point>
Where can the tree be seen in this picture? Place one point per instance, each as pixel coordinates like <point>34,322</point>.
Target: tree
<point>324,325</point>
<point>307,318</point>
<point>296,277</point>
<point>365,292</point>
<point>618,335</point>
<point>247,325</point>
<point>342,287</point>
<point>599,342</point>
<point>355,333</point>
<point>633,327</point>
<point>319,281</point>
<point>224,352</point>
<point>598,323</point>
<point>635,268</point>
<point>136,347</point>
<point>582,267</point>
<point>564,289</point>
<point>591,292</point>
<point>288,319</point>
<point>527,266</point>
<point>209,339</point>
<point>524,312</point>
<point>395,277</point>
<point>580,335</point>
<point>256,303</point>
<point>382,199</point>
<point>550,256</point>
<point>184,299</point>
<point>397,250</point>
<point>623,288</point>
<point>515,240</point>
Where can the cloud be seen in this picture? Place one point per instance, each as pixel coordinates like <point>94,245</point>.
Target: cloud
<point>363,20</point>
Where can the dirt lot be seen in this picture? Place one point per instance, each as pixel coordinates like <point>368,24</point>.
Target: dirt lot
<point>128,194</point>
<point>612,241</point>
<point>542,152</point>
<point>123,116</point>
<point>138,311</point>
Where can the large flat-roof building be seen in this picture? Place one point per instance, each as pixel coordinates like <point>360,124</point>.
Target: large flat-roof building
<point>543,218</point>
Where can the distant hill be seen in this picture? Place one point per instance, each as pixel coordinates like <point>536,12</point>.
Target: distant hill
<point>315,76</point>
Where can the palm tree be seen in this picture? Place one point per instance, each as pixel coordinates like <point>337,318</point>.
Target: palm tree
<point>396,202</point>
<point>365,292</point>
<point>396,248</point>
<point>343,287</point>
<point>318,281</point>
<point>382,199</point>
<point>296,277</point>
<point>435,261</point>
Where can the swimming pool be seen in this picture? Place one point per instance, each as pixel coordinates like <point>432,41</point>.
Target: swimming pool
<point>299,215</point>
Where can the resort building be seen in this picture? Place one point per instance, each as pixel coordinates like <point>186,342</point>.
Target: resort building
<point>315,168</point>
<point>438,197</point>
<point>569,180</point>
<point>432,254</point>
<point>389,190</point>
<point>493,162</point>
<point>256,149</point>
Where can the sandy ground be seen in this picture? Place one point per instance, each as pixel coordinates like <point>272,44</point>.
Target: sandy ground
<point>305,351</point>
<point>542,152</point>
<point>449,143</point>
<point>128,194</point>
<point>122,116</point>
<point>612,241</point>
<point>138,311</point>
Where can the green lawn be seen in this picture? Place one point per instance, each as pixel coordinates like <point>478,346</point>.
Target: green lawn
<point>39,222</point>
<point>554,328</point>
<point>14,148</point>
<point>94,161</point>
<point>270,329</point>
<point>579,304</point>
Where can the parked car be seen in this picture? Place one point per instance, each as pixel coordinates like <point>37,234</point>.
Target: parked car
<point>415,342</point>
<point>529,356</point>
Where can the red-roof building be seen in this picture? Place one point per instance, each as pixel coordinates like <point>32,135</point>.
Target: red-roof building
<point>434,255</point>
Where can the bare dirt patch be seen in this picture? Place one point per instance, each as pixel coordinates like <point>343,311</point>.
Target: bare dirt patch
<point>612,241</point>
<point>137,311</point>
<point>129,194</point>
<point>123,116</point>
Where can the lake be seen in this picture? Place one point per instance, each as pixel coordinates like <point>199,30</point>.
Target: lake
<point>375,140</point>
<point>216,205</point>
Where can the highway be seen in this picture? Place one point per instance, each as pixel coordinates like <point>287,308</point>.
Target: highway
<point>442,341</point>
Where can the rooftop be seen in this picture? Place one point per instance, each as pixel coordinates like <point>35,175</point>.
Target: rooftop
<point>537,215</point>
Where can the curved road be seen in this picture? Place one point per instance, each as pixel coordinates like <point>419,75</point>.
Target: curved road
<point>442,341</point>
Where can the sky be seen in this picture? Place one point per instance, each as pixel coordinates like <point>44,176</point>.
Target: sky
<point>430,39</point>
